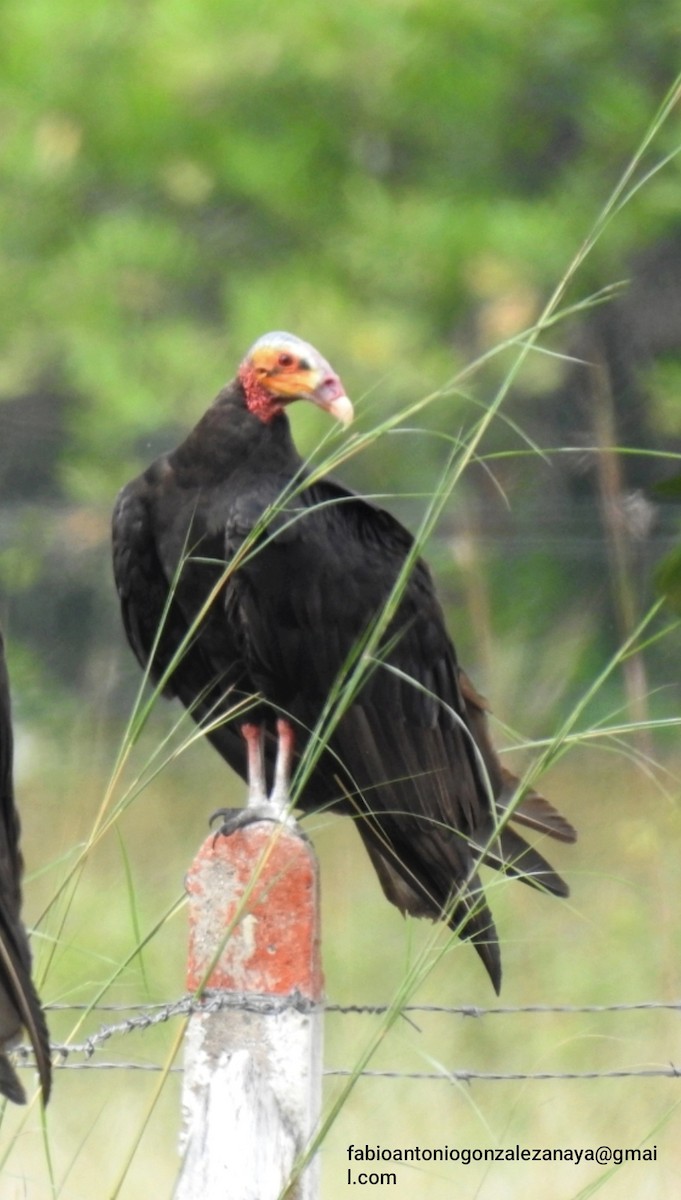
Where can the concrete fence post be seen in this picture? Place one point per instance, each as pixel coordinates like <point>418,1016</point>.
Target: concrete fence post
<point>252,1085</point>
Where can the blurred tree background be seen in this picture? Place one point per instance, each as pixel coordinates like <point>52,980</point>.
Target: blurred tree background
<point>403,183</point>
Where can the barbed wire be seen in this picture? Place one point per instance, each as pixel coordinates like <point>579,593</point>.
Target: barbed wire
<point>458,1076</point>
<point>145,1016</point>
<point>472,1010</point>
<point>213,1001</point>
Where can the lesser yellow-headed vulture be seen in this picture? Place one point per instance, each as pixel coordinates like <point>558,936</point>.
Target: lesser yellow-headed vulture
<point>241,577</point>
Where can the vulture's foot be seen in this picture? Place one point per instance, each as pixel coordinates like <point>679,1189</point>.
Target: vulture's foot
<point>261,807</point>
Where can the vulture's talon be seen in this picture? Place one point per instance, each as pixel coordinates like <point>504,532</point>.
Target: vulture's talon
<point>225,813</point>
<point>233,819</point>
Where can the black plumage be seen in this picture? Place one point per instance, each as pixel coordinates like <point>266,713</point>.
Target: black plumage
<point>20,1005</point>
<point>309,569</point>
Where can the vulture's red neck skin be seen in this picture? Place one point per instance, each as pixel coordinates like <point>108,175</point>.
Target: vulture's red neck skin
<point>259,400</point>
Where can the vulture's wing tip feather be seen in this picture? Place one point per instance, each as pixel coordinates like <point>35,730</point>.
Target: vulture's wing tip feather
<point>10,1084</point>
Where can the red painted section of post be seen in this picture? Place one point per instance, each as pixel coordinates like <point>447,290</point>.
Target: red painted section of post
<point>257,891</point>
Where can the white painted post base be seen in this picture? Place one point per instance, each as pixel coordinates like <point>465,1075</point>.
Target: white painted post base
<point>252,1087</point>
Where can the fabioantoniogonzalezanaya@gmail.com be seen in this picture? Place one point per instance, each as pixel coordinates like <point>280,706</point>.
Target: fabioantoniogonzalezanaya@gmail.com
<point>473,1154</point>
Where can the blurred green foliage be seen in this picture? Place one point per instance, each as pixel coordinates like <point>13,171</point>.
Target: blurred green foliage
<point>178,178</point>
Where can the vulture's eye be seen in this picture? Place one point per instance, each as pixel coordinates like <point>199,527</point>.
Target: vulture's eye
<point>285,360</point>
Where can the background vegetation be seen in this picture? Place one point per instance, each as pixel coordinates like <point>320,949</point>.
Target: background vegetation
<point>403,182</point>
